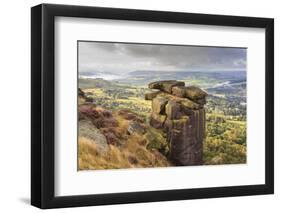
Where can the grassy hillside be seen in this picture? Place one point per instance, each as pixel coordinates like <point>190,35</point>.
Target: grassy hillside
<point>125,150</point>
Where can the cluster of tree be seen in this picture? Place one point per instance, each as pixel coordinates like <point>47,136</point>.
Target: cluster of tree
<point>225,141</point>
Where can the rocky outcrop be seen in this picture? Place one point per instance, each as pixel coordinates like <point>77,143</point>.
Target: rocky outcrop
<point>85,96</point>
<point>165,86</point>
<point>179,111</point>
<point>81,93</point>
<point>89,131</point>
<point>136,127</point>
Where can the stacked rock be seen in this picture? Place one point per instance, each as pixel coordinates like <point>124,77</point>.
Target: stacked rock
<point>179,111</point>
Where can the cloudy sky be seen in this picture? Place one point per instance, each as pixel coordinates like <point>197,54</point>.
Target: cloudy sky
<point>124,58</point>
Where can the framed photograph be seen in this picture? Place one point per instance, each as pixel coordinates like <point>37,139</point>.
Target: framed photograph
<point>139,106</point>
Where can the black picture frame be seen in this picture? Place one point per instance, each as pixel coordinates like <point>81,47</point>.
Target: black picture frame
<point>43,102</point>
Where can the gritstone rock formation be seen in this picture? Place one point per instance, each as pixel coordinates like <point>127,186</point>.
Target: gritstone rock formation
<point>179,111</point>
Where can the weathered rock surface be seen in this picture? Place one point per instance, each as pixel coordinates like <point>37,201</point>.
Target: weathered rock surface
<point>179,112</point>
<point>151,95</point>
<point>191,92</point>
<point>156,140</point>
<point>165,86</point>
<point>173,110</point>
<point>157,121</point>
<point>89,131</point>
<point>159,104</point>
<point>136,127</point>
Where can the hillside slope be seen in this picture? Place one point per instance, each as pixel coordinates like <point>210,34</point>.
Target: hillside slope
<point>119,139</point>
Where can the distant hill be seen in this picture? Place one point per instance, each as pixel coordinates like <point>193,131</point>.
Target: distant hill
<point>180,74</point>
<point>100,74</point>
<point>85,83</point>
<point>208,78</point>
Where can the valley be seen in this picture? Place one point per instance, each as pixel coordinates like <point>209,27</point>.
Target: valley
<point>226,108</point>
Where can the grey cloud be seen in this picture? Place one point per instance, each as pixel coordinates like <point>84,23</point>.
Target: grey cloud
<point>129,57</point>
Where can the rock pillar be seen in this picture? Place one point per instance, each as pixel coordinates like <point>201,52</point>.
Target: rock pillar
<point>179,111</point>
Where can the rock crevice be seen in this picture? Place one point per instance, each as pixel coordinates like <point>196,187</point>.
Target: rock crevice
<point>179,111</point>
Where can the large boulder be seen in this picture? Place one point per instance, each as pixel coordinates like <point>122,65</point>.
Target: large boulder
<point>189,104</point>
<point>151,95</point>
<point>179,91</point>
<point>191,92</point>
<point>89,131</point>
<point>135,127</point>
<point>195,93</point>
<point>165,86</point>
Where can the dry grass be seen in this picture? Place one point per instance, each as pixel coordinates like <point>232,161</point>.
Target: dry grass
<point>132,154</point>
<point>91,158</point>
